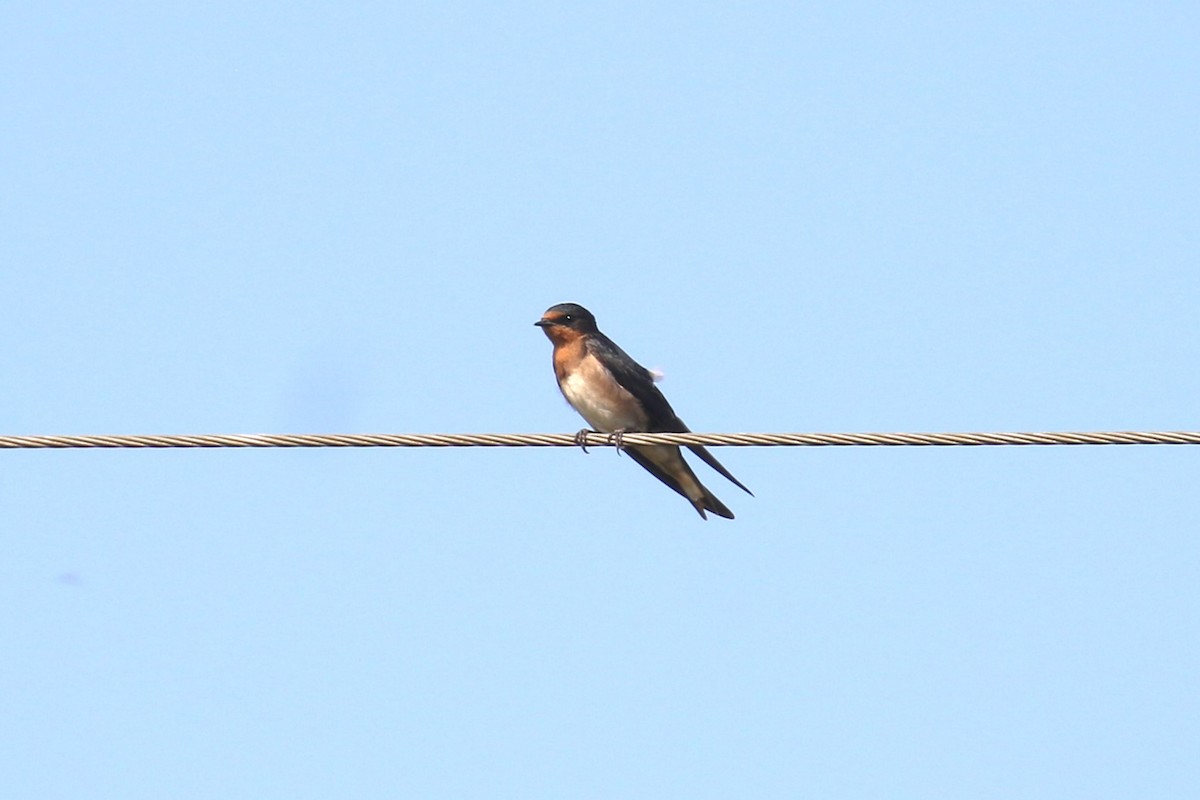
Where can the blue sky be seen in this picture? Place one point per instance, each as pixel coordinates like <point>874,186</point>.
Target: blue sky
<point>851,217</point>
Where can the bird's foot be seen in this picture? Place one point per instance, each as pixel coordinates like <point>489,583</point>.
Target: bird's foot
<point>617,439</point>
<point>582,437</point>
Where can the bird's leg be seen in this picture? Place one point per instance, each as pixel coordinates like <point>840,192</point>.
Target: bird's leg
<point>581,438</point>
<point>617,438</point>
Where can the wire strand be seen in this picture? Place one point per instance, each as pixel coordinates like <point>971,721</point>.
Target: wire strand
<point>592,439</point>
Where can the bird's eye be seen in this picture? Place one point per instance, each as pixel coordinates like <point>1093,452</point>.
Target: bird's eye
<point>566,318</point>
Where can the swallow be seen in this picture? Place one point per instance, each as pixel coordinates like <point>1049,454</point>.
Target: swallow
<point>615,394</point>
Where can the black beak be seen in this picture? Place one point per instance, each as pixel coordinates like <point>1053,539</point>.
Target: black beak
<point>543,323</point>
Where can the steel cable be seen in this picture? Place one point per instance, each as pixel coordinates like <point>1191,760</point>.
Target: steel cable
<point>260,440</point>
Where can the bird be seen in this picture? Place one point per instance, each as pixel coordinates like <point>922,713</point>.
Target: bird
<point>615,394</point>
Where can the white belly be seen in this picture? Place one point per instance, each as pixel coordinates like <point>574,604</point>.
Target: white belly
<point>601,401</point>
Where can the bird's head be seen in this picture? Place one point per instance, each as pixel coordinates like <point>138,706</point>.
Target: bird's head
<point>566,322</point>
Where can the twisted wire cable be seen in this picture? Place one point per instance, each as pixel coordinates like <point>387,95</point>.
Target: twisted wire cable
<point>592,439</point>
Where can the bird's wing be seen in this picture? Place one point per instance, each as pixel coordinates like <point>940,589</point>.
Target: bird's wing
<point>636,380</point>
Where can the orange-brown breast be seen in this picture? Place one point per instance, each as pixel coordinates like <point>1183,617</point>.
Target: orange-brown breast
<point>568,351</point>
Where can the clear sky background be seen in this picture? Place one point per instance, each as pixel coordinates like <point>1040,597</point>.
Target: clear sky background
<point>864,216</point>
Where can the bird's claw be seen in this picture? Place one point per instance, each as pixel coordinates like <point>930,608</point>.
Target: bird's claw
<point>617,439</point>
<point>581,439</point>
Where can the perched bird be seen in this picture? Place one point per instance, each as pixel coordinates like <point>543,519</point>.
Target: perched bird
<point>615,394</point>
